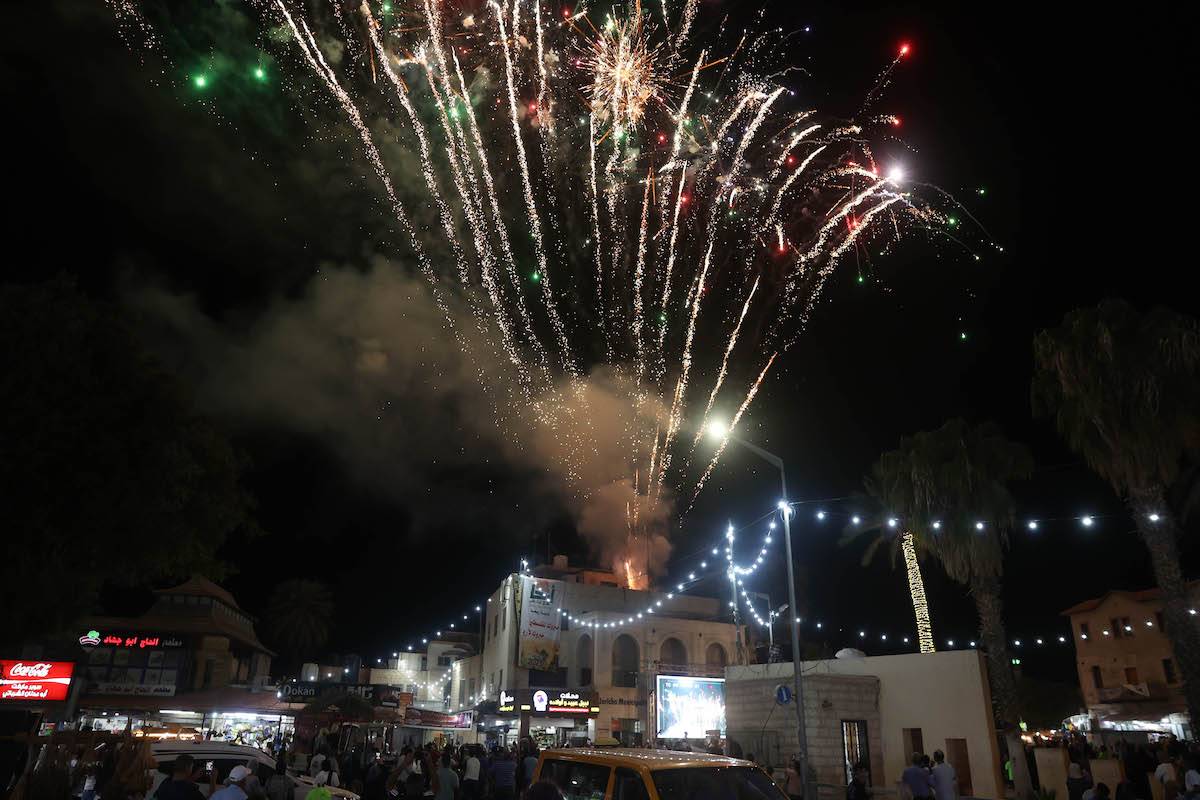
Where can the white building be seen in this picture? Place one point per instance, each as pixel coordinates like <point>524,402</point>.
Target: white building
<point>425,674</point>
<point>611,643</point>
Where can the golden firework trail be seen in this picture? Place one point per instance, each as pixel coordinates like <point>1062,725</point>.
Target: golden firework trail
<point>532,128</point>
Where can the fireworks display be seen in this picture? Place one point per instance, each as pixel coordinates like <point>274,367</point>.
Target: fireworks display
<point>634,219</point>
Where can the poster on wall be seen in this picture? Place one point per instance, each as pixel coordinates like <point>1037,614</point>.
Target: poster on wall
<point>537,633</point>
<point>689,706</point>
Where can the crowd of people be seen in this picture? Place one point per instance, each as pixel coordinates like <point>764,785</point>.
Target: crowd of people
<point>1170,763</point>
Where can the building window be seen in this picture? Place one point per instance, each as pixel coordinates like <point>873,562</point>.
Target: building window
<point>914,741</point>
<point>1083,630</point>
<point>500,685</point>
<point>673,653</point>
<point>1131,675</point>
<point>715,657</point>
<point>855,750</point>
<point>495,624</point>
<point>624,661</point>
<point>1159,618</point>
<point>1168,670</point>
<point>1114,625</point>
<point>585,657</point>
<point>1097,678</point>
<point>445,661</point>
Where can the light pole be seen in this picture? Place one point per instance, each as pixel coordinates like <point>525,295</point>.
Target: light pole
<point>785,509</point>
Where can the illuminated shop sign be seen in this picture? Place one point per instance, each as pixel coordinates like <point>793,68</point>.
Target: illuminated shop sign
<point>35,680</point>
<point>133,640</point>
<point>549,702</point>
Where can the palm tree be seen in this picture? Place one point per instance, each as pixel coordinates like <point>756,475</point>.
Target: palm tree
<point>948,490</point>
<point>298,617</point>
<point>903,543</point>
<point>1124,391</point>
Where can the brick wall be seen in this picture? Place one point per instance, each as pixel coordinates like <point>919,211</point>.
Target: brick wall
<point>768,729</point>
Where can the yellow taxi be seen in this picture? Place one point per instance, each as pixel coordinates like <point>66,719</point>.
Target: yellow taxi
<point>623,773</point>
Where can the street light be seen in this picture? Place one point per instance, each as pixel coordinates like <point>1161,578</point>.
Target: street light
<point>718,430</point>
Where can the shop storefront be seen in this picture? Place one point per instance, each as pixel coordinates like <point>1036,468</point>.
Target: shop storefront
<point>551,717</point>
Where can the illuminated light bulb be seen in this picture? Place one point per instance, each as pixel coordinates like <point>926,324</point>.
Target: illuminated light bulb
<point>703,565</point>
<point>906,640</point>
<point>862,634</point>
<point>978,526</point>
<point>820,515</point>
<point>1087,521</point>
<point>1154,518</point>
<point>883,637</point>
<point>1016,642</point>
<point>395,655</point>
<point>972,644</point>
<point>679,587</point>
<point>782,505</point>
<point>1032,525</point>
<point>937,525</point>
<point>670,596</point>
<point>892,522</point>
<point>477,608</point>
<point>1192,611</point>
<point>1062,639</point>
<point>950,643</point>
<point>855,519</point>
<point>1039,641</point>
<point>691,576</point>
<point>714,551</point>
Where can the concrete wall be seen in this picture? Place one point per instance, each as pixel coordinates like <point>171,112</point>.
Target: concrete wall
<point>945,695</point>
<point>768,730</point>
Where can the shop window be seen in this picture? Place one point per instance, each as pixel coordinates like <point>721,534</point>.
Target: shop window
<point>855,749</point>
<point>1168,670</point>
<point>629,786</point>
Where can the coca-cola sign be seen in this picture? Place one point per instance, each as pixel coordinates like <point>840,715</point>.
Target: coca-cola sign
<point>33,679</point>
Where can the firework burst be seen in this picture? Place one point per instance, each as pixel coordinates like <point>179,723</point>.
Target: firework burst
<point>608,198</point>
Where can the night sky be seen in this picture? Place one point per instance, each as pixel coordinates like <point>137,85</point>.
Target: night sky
<point>1069,122</point>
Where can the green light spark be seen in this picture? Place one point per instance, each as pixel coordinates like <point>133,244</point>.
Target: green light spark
<point>535,276</point>
<point>260,73</point>
<point>200,81</point>
<point>860,278</point>
<point>962,337</point>
<point>952,221</point>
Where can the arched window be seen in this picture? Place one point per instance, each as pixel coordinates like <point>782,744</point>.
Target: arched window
<point>673,652</point>
<point>715,656</point>
<point>624,661</point>
<point>585,658</point>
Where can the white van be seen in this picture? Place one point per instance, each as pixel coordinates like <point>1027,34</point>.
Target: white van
<point>224,757</point>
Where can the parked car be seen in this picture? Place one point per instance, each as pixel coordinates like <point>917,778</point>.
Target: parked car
<point>624,773</point>
<point>223,757</point>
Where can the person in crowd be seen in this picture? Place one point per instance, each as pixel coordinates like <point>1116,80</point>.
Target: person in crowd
<point>1078,782</point>
<point>528,764</point>
<point>182,783</point>
<point>945,780</point>
<point>503,777</point>
<point>328,776</point>
<point>1191,778</point>
<point>859,787</point>
<point>446,780</point>
<point>794,785</point>
<point>917,779</point>
<point>279,786</point>
<point>235,785</point>
<point>470,776</point>
<point>1165,771</point>
<point>314,764</point>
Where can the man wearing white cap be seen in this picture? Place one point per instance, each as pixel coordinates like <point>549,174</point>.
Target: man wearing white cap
<point>235,788</point>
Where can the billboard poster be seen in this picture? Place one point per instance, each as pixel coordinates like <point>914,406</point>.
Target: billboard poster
<point>35,680</point>
<point>689,707</point>
<point>537,633</point>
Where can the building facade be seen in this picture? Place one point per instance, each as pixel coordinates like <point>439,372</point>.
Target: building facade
<point>875,711</point>
<point>1127,668</point>
<point>608,647</point>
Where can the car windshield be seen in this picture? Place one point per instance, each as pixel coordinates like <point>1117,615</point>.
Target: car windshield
<point>715,783</point>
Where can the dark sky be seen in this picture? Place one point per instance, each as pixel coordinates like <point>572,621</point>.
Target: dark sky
<point>1070,122</point>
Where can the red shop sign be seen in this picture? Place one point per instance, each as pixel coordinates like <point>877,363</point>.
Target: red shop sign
<point>31,679</point>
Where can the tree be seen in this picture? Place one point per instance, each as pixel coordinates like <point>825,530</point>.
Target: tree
<point>884,495</point>
<point>108,475</point>
<point>298,617</point>
<point>948,490</point>
<point>1124,391</point>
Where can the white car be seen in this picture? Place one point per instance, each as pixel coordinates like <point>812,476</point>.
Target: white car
<point>224,757</point>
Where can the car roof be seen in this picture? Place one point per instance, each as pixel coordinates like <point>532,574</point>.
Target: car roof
<point>641,757</point>
<point>226,749</point>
